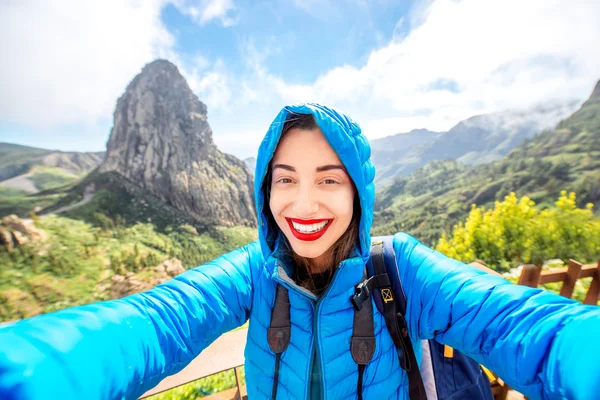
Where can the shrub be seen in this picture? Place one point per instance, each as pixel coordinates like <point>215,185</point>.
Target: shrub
<point>516,232</point>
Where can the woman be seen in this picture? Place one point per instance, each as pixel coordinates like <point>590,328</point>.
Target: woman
<point>314,196</point>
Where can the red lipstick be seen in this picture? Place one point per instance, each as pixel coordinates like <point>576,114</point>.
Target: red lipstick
<point>308,237</point>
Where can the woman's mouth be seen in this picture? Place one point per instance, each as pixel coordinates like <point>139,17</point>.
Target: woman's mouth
<point>308,230</point>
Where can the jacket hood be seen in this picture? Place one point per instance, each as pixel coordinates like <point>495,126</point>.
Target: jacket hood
<point>351,146</point>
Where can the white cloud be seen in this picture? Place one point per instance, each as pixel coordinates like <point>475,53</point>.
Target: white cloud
<point>205,11</point>
<point>497,54</point>
<point>67,62</point>
<point>212,86</point>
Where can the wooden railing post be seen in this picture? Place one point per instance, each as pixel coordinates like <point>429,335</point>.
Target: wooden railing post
<point>238,381</point>
<point>530,275</point>
<point>594,291</point>
<point>573,272</point>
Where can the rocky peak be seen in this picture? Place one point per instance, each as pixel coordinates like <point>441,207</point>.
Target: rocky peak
<point>161,140</point>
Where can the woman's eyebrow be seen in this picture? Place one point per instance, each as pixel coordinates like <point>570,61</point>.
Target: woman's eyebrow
<point>284,166</point>
<point>319,169</point>
<point>330,167</point>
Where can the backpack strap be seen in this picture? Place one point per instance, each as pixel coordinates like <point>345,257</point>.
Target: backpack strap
<point>383,292</point>
<point>279,332</point>
<point>362,345</point>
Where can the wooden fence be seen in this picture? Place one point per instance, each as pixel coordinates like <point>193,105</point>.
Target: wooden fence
<point>227,352</point>
<point>533,276</point>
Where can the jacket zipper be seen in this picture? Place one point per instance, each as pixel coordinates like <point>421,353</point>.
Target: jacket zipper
<point>315,344</point>
<point>317,349</point>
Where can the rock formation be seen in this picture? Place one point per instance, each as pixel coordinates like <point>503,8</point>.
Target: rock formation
<point>161,141</point>
<point>15,231</point>
<point>124,285</point>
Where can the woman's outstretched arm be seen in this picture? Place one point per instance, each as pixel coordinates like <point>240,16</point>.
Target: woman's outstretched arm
<point>120,349</point>
<point>542,344</point>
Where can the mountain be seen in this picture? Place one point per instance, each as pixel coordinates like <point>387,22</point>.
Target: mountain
<point>32,169</point>
<point>436,196</point>
<point>400,154</point>
<point>477,140</point>
<point>162,142</point>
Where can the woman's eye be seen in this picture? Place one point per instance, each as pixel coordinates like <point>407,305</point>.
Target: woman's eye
<point>284,180</point>
<point>329,182</point>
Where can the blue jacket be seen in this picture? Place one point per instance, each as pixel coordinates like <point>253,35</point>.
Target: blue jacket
<point>540,343</point>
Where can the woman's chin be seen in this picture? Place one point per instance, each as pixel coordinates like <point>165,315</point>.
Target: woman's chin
<point>308,250</point>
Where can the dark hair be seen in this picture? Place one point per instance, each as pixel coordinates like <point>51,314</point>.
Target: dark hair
<point>341,249</point>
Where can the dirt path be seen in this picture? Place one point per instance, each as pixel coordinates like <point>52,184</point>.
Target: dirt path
<point>87,196</point>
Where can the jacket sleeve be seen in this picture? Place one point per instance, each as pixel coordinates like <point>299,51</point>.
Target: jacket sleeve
<point>120,349</point>
<point>541,344</point>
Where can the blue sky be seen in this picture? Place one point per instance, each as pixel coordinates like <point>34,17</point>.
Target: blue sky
<point>391,65</point>
<point>304,41</point>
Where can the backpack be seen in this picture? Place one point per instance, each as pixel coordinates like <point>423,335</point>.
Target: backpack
<point>445,373</point>
<point>448,373</point>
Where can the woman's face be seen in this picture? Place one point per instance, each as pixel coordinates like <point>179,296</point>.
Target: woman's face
<point>311,193</point>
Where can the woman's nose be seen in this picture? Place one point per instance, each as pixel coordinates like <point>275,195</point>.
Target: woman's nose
<point>305,204</point>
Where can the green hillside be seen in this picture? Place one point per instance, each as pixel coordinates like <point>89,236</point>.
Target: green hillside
<point>46,178</point>
<point>16,159</point>
<point>435,197</point>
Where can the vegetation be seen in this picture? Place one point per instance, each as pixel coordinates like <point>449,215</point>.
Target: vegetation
<point>515,232</point>
<point>74,264</point>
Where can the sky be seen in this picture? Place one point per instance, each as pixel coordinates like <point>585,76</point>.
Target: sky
<point>392,65</point>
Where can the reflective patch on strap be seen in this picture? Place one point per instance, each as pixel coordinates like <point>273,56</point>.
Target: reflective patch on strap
<point>427,371</point>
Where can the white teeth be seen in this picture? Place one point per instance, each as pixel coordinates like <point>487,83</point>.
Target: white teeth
<point>309,228</point>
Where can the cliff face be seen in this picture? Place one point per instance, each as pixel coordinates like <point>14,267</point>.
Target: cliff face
<point>161,141</point>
